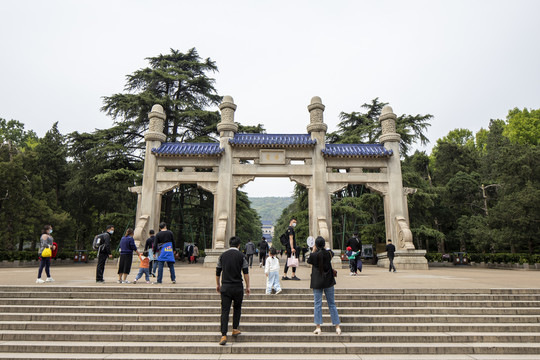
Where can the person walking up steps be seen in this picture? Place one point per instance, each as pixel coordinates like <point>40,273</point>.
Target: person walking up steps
<point>322,280</point>
<point>231,264</point>
<point>271,269</point>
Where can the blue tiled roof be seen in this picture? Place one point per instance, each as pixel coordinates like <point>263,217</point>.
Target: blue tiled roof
<point>356,150</point>
<point>188,149</point>
<point>272,140</point>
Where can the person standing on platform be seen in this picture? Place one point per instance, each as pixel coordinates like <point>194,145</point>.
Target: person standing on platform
<point>390,252</point>
<point>263,251</point>
<point>127,247</point>
<point>292,250</point>
<point>104,252</point>
<point>250,251</point>
<point>231,264</point>
<point>165,249</point>
<point>149,246</point>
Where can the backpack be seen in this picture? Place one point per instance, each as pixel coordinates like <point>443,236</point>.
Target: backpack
<point>98,242</point>
<point>284,240</point>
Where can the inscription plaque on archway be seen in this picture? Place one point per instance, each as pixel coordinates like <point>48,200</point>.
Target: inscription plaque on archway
<point>304,158</point>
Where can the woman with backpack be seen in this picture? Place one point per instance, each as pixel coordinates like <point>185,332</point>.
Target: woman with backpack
<point>46,248</point>
<point>322,279</point>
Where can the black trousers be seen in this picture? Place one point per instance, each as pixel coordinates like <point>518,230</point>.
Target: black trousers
<point>391,264</point>
<point>262,258</point>
<point>289,254</point>
<point>102,258</point>
<point>229,296</point>
<point>249,259</point>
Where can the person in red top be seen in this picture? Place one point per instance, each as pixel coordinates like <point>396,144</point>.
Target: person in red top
<point>144,268</point>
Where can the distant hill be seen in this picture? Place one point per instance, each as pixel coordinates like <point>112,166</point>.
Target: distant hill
<point>270,208</point>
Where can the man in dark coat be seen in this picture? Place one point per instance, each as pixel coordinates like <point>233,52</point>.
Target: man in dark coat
<point>263,251</point>
<point>231,264</point>
<point>390,251</point>
<point>104,252</point>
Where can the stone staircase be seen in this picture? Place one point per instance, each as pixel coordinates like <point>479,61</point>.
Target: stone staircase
<point>149,322</point>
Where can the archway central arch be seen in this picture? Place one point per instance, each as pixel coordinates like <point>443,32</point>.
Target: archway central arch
<point>304,158</point>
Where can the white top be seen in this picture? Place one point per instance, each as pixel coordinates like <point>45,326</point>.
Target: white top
<point>272,264</point>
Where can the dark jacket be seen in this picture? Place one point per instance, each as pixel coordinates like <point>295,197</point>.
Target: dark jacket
<point>127,245</point>
<point>231,263</point>
<point>355,244</point>
<point>149,242</point>
<point>325,278</point>
<point>105,249</point>
<point>250,248</point>
<point>390,250</point>
<point>263,246</point>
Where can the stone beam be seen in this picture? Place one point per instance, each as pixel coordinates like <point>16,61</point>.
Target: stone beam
<point>272,170</point>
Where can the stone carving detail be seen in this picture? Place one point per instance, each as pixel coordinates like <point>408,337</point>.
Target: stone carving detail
<point>241,180</point>
<point>409,191</point>
<point>388,126</point>
<point>141,228</point>
<point>164,186</point>
<point>210,186</point>
<point>381,188</point>
<point>220,231</point>
<point>301,179</point>
<point>335,187</point>
<point>323,229</point>
<point>156,125</point>
<point>405,238</point>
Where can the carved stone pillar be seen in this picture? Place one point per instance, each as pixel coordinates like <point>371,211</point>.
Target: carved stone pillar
<point>395,205</point>
<point>148,215</point>
<point>225,196</point>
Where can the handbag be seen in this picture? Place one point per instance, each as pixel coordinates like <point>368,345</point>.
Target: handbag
<point>46,253</point>
<point>292,261</point>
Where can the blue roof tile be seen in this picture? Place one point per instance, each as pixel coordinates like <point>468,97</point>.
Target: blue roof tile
<point>280,140</point>
<point>356,150</point>
<point>188,149</point>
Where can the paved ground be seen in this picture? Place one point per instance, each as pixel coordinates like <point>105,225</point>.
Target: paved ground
<point>372,277</point>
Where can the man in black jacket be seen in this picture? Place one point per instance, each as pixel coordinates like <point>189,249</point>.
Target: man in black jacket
<point>292,250</point>
<point>104,252</point>
<point>263,251</point>
<point>230,266</point>
<point>390,250</point>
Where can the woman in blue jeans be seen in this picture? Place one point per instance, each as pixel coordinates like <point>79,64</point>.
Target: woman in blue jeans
<point>322,279</point>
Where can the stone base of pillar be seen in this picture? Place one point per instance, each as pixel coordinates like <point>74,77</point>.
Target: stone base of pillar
<point>336,260</point>
<point>212,257</point>
<point>405,260</point>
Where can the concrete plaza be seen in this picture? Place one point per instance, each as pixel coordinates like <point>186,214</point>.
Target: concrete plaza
<point>372,277</point>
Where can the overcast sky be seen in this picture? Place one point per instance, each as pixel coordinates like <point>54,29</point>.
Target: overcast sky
<point>465,62</point>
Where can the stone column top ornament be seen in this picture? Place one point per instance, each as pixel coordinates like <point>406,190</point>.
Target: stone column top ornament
<point>388,125</point>
<point>157,123</point>
<point>316,109</point>
<point>227,107</point>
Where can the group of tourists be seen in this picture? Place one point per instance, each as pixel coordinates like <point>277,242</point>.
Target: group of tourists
<point>232,264</point>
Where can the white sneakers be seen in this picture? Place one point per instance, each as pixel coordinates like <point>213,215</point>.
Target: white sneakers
<point>39,281</point>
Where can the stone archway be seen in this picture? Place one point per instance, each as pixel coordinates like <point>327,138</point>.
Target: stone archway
<point>304,158</point>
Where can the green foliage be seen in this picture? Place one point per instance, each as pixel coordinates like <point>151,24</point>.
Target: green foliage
<point>523,126</point>
<point>248,223</point>
<point>358,127</point>
<point>270,208</point>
